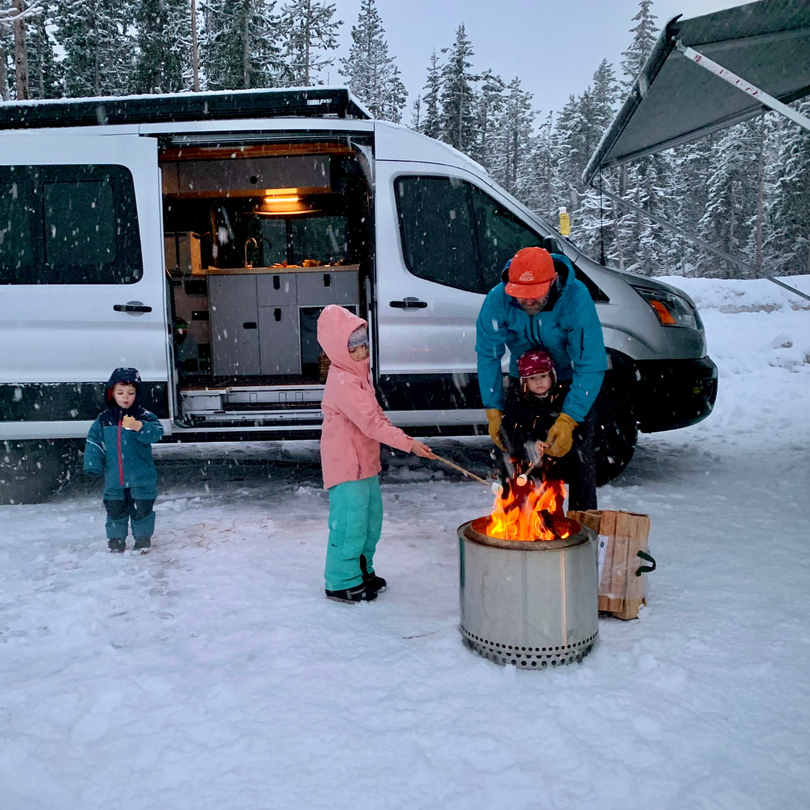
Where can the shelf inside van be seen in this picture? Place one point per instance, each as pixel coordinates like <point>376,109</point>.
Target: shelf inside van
<point>254,271</point>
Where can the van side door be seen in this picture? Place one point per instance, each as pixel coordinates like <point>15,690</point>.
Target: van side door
<point>82,281</point>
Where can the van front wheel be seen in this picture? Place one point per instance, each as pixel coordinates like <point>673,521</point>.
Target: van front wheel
<point>615,431</point>
<point>32,471</point>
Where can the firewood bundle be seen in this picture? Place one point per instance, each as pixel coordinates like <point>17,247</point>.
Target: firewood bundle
<point>624,559</point>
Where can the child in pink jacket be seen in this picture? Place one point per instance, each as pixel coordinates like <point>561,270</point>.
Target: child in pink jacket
<point>353,428</point>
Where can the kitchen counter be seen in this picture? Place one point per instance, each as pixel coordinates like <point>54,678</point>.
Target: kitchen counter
<point>258,271</point>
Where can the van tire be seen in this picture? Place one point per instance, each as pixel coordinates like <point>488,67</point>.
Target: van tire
<point>615,430</point>
<point>32,471</point>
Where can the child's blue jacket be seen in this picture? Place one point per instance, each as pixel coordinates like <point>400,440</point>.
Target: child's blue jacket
<point>123,456</point>
<point>570,332</point>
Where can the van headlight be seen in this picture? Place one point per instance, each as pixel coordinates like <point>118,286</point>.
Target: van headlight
<point>671,309</point>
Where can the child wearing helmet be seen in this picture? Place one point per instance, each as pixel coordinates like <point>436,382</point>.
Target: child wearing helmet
<point>532,407</point>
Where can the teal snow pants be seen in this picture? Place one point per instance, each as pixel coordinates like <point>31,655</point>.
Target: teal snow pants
<point>355,523</point>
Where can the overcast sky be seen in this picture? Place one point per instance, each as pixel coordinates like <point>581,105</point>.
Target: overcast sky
<point>553,46</point>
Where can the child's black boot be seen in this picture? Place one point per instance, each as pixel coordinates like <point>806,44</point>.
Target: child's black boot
<point>370,579</point>
<point>117,545</point>
<point>351,596</point>
<point>142,545</point>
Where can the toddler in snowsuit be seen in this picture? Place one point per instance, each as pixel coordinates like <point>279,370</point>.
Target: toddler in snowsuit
<point>532,407</point>
<point>119,446</point>
<point>354,425</point>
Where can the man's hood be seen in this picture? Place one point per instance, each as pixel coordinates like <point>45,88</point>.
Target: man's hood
<point>335,324</point>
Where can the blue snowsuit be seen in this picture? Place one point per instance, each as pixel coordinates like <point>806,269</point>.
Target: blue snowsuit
<point>124,457</point>
<point>568,328</point>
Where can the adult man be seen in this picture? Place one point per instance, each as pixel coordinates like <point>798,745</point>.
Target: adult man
<point>541,304</point>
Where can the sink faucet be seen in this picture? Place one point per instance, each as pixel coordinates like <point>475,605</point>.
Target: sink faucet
<point>255,250</point>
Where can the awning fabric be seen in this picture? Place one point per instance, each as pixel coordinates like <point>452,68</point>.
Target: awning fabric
<point>675,101</point>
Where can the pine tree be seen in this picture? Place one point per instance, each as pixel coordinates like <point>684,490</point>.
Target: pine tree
<point>645,35</point>
<point>240,45</point>
<point>164,47</point>
<point>7,78</point>
<point>458,97</point>
<point>309,33</point>
<point>44,73</point>
<point>539,195</point>
<point>372,75</point>
<point>432,125</point>
<point>790,216</point>
<point>515,125</point>
<point>488,149</point>
<point>96,36</point>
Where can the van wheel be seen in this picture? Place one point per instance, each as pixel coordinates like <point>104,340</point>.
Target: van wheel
<point>615,432</point>
<point>32,471</point>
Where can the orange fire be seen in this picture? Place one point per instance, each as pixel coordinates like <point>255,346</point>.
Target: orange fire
<point>536,516</point>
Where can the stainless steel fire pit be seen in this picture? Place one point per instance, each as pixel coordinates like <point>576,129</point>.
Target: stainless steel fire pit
<point>533,604</point>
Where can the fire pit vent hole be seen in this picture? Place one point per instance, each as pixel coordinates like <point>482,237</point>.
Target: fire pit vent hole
<point>529,656</point>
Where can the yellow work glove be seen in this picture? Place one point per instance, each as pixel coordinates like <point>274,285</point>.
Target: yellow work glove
<point>495,417</point>
<point>559,439</point>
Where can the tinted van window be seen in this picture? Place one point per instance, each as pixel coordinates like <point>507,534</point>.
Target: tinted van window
<point>437,231</point>
<point>455,234</point>
<point>68,225</point>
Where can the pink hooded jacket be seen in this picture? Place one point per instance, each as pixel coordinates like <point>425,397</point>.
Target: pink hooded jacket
<point>353,422</point>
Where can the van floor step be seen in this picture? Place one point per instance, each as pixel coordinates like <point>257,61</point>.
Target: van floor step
<point>265,380</point>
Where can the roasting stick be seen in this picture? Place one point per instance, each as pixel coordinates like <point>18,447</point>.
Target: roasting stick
<point>462,470</point>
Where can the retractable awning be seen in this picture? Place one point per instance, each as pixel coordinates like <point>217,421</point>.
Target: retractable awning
<point>675,101</point>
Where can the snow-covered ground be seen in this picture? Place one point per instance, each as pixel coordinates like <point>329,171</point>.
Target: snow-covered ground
<point>212,673</point>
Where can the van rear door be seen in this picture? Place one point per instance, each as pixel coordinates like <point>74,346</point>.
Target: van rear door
<point>81,278</point>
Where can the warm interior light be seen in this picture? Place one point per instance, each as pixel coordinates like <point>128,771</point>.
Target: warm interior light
<point>281,199</point>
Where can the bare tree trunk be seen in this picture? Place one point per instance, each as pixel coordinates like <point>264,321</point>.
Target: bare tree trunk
<point>195,53</point>
<point>306,44</point>
<point>20,52</point>
<point>760,196</point>
<point>4,94</point>
<point>246,47</point>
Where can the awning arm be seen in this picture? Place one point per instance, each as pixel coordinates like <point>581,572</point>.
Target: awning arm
<point>697,240</point>
<point>741,84</point>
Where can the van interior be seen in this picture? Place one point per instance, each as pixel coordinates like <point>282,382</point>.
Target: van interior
<point>259,238</point>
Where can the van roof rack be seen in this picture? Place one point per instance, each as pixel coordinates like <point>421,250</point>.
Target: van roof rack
<point>309,102</point>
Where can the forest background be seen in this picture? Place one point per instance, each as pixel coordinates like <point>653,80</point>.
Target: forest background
<point>745,190</point>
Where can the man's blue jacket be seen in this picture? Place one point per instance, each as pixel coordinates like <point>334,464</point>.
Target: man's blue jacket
<point>569,331</point>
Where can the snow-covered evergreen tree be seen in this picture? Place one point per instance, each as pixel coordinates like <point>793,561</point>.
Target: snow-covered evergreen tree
<point>645,34</point>
<point>733,187</point>
<point>789,242</point>
<point>431,102</point>
<point>163,61</point>
<point>370,72</point>
<point>44,72</point>
<point>515,125</point>
<point>97,39</point>
<point>541,168</point>
<point>488,149</point>
<point>309,34</point>
<point>458,96</point>
<point>240,45</point>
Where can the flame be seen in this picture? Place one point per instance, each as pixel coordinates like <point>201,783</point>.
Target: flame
<point>533,513</point>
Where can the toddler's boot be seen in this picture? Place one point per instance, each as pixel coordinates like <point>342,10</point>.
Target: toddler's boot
<point>117,545</point>
<point>142,545</point>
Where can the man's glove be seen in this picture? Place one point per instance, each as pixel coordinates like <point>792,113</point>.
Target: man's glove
<point>495,417</point>
<point>559,439</point>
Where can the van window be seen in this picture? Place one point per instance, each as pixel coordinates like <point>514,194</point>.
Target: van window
<point>500,235</point>
<point>437,231</point>
<point>68,225</point>
<point>455,234</point>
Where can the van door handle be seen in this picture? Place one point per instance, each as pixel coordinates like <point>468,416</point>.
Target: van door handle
<point>408,303</point>
<point>133,307</point>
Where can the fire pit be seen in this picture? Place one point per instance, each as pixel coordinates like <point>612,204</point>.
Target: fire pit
<point>529,602</point>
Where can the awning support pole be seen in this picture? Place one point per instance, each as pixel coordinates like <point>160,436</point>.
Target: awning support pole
<point>699,241</point>
<point>742,84</point>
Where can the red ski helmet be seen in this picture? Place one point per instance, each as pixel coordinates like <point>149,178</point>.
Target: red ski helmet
<point>536,361</point>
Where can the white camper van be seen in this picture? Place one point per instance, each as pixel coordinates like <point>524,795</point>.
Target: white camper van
<point>197,237</point>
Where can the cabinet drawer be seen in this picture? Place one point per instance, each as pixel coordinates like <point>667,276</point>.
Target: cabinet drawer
<point>280,340</point>
<point>277,289</point>
<point>320,289</point>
